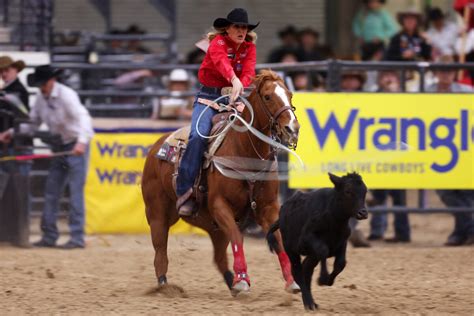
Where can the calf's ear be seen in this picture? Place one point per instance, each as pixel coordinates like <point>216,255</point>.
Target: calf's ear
<point>337,181</point>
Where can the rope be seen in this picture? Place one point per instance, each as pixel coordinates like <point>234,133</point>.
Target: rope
<point>247,126</point>
<point>35,156</point>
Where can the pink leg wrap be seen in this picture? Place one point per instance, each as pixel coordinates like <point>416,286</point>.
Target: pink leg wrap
<point>239,258</point>
<point>240,266</point>
<point>285,267</point>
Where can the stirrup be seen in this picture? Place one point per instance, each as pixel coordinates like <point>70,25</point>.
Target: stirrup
<point>186,204</point>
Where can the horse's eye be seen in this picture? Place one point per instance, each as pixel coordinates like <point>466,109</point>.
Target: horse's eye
<point>267,97</point>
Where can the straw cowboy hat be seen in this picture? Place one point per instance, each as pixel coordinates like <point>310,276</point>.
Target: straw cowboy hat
<point>237,16</point>
<point>42,74</point>
<point>6,61</point>
<point>411,11</point>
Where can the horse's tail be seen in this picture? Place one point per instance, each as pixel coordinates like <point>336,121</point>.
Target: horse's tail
<point>271,239</point>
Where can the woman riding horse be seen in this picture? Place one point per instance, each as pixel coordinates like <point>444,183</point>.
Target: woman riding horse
<point>227,200</point>
<point>230,61</point>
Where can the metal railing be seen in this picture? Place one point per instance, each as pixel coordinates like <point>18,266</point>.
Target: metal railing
<point>332,69</point>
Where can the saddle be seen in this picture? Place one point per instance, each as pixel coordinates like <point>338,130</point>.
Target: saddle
<point>175,145</point>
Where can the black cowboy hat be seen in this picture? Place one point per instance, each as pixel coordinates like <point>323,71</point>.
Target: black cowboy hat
<point>435,14</point>
<point>42,74</point>
<point>237,16</point>
<point>288,30</point>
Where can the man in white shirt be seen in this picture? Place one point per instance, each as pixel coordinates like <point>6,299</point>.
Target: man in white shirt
<point>60,108</point>
<point>442,34</point>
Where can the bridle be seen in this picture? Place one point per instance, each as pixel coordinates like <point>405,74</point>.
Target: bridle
<point>275,128</point>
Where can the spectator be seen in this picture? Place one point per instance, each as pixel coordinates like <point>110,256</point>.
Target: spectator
<point>467,48</point>
<point>389,82</point>
<point>463,233</point>
<point>289,40</point>
<point>373,53</point>
<point>442,34</point>
<point>115,46</point>
<point>409,44</point>
<point>352,81</point>
<point>176,107</point>
<point>9,70</point>
<point>309,45</point>
<point>135,46</point>
<point>300,80</point>
<point>378,222</point>
<point>289,56</point>
<point>373,25</point>
<point>60,108</point>
<point>446,80</point>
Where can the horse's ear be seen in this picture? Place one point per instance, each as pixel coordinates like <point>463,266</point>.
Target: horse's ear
<point>337,181</point>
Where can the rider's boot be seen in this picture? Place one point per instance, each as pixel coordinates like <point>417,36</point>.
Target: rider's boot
<point>186,204</point>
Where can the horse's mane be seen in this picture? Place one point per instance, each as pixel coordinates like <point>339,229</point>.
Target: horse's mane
<point>264,75</point>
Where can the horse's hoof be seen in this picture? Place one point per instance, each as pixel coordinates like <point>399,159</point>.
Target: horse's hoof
<point>293,288</point>
<point>162,280</point>
<point>240,287</point>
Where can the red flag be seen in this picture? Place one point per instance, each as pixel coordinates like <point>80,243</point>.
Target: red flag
<point>459,6</point>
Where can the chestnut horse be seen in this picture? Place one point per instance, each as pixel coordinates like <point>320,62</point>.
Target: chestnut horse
<point>227,198</point>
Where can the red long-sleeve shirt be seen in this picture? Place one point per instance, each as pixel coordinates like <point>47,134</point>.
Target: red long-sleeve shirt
<point>223,60</point>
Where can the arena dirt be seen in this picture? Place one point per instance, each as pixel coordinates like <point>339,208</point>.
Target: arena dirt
<point>114,275</point>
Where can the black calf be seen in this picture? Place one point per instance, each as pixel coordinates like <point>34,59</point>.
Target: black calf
<point>316,225</point>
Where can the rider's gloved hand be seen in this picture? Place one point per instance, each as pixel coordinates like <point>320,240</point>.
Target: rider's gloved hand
<point>237,89</point>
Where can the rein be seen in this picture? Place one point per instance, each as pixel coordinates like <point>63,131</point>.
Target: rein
<point>247,127</point>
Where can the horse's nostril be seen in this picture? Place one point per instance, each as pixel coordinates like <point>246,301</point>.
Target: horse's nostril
<point>289,130</point>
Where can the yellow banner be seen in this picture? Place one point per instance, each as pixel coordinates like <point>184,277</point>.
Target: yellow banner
<point>113,196</point>
<point>395,141</point>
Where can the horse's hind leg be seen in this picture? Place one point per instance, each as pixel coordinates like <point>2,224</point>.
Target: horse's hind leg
<point>220,243</point>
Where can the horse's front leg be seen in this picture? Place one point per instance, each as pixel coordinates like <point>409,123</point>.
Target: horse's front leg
<point>267,216</point>
<point>224,217</point>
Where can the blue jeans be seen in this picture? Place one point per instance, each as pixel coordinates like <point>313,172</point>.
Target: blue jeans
<point>378,222</point>
<point>22,167</point>
<point>192,158</point>
<point>463,222</point>
<point>64,170</point>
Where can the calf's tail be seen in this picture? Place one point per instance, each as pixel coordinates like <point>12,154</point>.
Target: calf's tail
<point>271,239</point>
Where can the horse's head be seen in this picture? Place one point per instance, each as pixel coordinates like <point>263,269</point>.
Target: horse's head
<point>275,99</point>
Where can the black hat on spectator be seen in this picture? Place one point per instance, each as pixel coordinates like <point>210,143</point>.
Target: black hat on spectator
<point>435,14</point>
<point>135,30</point>
<point>237,16</point>
<point>289,30</point>
<point>310,31</point>
<point>42,74</point>
<point>367,1</point>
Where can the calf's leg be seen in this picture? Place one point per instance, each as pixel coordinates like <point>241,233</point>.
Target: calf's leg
<point>309,264</point>
<point>339,265</point>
